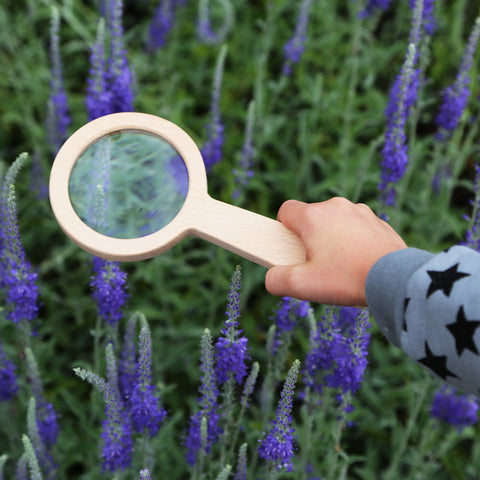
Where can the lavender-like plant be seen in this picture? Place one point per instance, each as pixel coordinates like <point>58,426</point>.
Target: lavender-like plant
<point>208,413</point>
<point>117,426</point>
<point>8,379</point>
<point>293,49</point>
<point>119,74</point>
<point>162,23</point>
<point>109,290</point>
<point>127,364</point>
<point>231,347</point>
<point>206,33</point>
<point>99,98</point>
<point>277,445</point>
<point>32,462</point>
<point>241,471</point>
<point>45,413</point>
<point>244,172</point>
<point>58,115</point>
<point>454,408</point>
<point>146,409</point>
<point>42,451</point>
<point>338,356</point>
<point>402,98</point>
<point>17,278</point>
<point>455,97</point>
<point>212,151</point>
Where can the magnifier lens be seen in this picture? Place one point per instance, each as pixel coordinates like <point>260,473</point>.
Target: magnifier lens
<point>128,184</point>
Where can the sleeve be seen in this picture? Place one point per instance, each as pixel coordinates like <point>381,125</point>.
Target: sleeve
<point>429,306</point>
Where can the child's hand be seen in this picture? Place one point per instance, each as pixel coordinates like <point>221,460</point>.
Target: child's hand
<point>343,240</point>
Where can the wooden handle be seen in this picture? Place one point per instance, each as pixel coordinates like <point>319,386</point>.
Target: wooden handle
<point>260,239</point>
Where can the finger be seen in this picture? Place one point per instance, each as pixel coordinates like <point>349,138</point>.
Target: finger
<point>290,212</point>
<point>297,281</point>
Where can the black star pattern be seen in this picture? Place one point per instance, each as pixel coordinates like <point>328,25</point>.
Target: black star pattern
<point>444,280</point>
<point>438,364</point>
<point>463,330</point>
<point>405,306</point>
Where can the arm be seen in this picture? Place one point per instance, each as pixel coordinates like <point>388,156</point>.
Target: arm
<point>428,305</point>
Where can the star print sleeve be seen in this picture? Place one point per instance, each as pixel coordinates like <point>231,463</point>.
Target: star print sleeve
<point>429,306</point>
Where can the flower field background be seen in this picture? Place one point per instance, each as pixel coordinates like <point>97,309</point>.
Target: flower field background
<point>183,366</point>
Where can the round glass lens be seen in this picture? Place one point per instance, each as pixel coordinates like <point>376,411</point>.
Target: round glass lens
<point>128,184</point>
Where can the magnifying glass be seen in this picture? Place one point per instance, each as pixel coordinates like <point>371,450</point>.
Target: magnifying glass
<point>129,186</point>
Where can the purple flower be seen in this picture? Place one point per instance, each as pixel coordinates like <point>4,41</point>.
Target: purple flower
<point>58,119</point>
<point>293,49</point>
<point>8,379</point>
<point>338,360</point>
<point>147,412</point>
<point>277,446</point>
<point>428,17</point>
<point>455,97</point>
<point>162,22</point>
<point>212,150</point>
<point>208,405</point>
<point>452,407</point>
<point>117,425</point>
<point>394,152</point>
<point>116,434</point>
<point>127,364</point>
<point>119,75</point>
<point>18,278</point>
<point>231,347</point>
<point>109,289</point>
<point>241,470</point>
<point>99,98</point>
<point>289,310</point>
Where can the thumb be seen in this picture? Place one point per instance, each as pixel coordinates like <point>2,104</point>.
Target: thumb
<point>290,280</point>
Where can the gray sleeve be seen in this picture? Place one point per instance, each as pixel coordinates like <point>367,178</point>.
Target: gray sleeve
<point>429,306</point>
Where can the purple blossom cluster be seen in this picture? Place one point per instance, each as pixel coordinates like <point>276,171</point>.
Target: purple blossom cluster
<point>196,443</point>
<point>294,48</point>
<point>109,290</point>
<point>162,23</point>
<point>58,115</point>
<point>455,96</point>
<point>17,277</point>
<point>231,348</point>
<point>135,409</point>
<point>278,444</point>
<point>287,315</point>
<point>110,81</point>
<point>147,412</point>
<point>8,379</point>
<point>452,407</point>
<point>212,151</point>
<point>338,354</point>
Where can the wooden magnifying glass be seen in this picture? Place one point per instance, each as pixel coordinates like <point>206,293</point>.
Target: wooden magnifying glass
<point>129,186</point>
